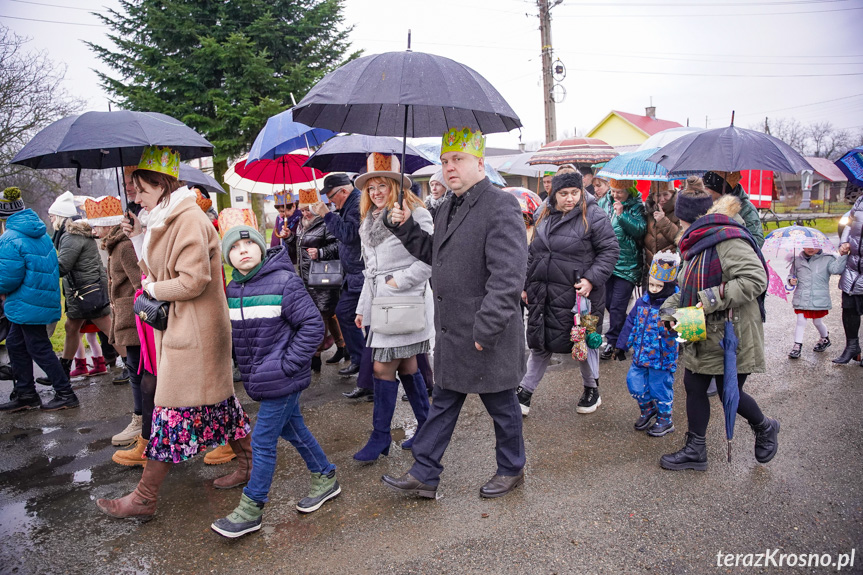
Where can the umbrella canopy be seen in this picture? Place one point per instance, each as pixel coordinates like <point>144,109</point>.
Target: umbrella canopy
<point>851,165</point>
<point>282,135</point>
<point>405,94</point>
<point>788,242</point>
<point>730,390</point>
<point>730,149</point>
<point>98,140</point>
<point>194,176</point>
<point>432,153</point>
<point>271,176</point>
<point>665,137</point>
<point>519,166</point>
<point>528,200</point>
<point>775,285</point>
<point>574,151</point>
<point>349,153</point>
<point>636,166</point>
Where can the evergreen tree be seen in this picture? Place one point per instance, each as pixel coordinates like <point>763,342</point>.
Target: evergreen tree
<point>221,66</point>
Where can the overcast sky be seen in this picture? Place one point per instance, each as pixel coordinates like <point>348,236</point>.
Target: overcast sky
<point>697,59</point>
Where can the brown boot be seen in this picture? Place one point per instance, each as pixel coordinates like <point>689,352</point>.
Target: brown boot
<point>133,456</point>
<point>220,455</point>
<point>243,449</point>
<point>142,501</point>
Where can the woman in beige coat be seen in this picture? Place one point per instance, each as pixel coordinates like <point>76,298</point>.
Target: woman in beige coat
<point>195,406</point>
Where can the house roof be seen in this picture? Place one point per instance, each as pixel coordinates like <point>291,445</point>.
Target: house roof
<point>827,169</point>
<point>646,124</point>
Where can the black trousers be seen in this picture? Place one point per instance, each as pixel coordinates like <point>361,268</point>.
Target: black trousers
<point>698,404</point>
<point>433,438</point>
<point>29,343</point>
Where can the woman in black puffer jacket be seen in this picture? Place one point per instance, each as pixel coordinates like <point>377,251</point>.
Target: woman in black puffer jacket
<point>573,251</point>
<point>315,242</point>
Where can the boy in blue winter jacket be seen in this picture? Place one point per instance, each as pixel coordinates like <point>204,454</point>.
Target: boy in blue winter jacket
<point>276,330</point>
<point>651,378</point>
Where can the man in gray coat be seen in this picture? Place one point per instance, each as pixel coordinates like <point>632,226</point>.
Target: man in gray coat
<point>478,256</point>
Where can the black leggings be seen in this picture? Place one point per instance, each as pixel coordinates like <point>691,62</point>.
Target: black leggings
<point>698,404</point>
<point>148,397</point>
<point>851,322</point>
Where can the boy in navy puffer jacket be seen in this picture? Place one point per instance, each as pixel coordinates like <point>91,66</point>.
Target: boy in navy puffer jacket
<point>276,330</point>
<point>651,378</point>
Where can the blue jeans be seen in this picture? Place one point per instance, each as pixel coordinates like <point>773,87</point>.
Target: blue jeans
<point>646,384</point>
<point>281,417</point>
<point>346,312</point>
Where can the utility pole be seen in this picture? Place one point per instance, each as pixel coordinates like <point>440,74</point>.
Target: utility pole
<point>545,7</point>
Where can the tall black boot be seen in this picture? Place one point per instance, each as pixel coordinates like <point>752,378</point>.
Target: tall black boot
<point>852,351</point>
<point>766,439</point>
<point>692,456</point>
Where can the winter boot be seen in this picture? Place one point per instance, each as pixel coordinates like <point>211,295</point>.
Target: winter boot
<point>795,351</point>
<point>62,400</point>
<point>590,400</point>
<point>243,449</point>
<point>141,502</point>
<point>661,426</point>
<point>66,364</point>
<point>692,456</point>
<point>822,344</point>
<point>386,393</point>
<point>524,397</point>
<point>80,368</point>
<point>220,455</point>
<point>6,372</point>
<point>852,351</point>
<point>316,363</point>
<point>341,353</point>
<point>415,387</point>
<point>323,488</point>
<point>99,366</point>
<point>134,456</point>
<point>123,376</point>
<point>22,402</point>
<point>244,519</point>
<point>129,435</point>
<point>766,439</point>
<point>607,352</point>
<point>648,412</point>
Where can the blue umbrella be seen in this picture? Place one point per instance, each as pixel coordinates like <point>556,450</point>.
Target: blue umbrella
<point>282,135</point>
<point>349,153</point>
<point>730,391</point>
<point>636,166</point>
<point>432,152</point>
<point>195,177</point>
<point>851,165</point>
<point>730,149</point>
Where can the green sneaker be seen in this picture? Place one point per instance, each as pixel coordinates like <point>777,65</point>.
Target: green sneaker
<point>324,488</point>
<point>244,519</point>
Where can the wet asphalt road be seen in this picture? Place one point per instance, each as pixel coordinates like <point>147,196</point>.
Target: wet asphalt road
<point>595,499</point>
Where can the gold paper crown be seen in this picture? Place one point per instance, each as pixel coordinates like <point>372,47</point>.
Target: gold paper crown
<point>232,217</point>
<point>162,160</point>
<point>104,211</point>
<point>463,140</point>
<point>620,184</point>
<point>283,198</point>
<point>204,203</point>
<point>308,197</point>
<point>664,266</point>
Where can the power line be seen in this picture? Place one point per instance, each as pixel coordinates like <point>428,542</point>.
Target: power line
<point>728,14</point>
<point>52,21</point>
<point>58,6</point>
<point>700,4</point>
<point>715,75</point>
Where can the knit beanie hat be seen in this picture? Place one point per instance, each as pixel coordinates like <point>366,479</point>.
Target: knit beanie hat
<point>10,202</point>
<point>237,233</point>
<point>438,177</point>
<point>691,204</point>
<point>566,180</point>
<point>64,206</point>
<point>715,182</point>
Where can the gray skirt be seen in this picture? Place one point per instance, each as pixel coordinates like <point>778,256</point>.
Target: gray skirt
<point>386,354</point>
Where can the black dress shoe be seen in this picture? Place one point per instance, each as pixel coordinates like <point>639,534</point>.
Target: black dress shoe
<point>341,353</point>
<point>407,484</point>
<point>62,400</point>
<point>352,369</point>
<point>500,485</point>
<point>358,392</point>
<point>6,372</point>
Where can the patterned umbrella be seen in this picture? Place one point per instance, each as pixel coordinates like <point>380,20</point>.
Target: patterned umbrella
<point>775,285</point>
<point>635,166</point>
<point>788,242</point>
<point>528,200</point>
<point>851,165</point>
<point>574,151</point>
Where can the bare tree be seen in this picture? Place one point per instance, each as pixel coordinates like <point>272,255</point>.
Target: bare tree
<point>828,142</point>
<point>820,139</point>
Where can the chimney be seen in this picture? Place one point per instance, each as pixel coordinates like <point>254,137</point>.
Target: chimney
<point>521,146</point>
<point>650,112</point>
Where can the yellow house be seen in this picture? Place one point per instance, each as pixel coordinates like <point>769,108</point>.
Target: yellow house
<point>625,129</point>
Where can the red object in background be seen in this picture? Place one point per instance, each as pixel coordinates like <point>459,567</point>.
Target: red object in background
<point>758,184</point>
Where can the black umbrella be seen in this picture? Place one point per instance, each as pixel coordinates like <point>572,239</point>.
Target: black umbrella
<point>407,94</point>
<point>195,177</point>
<point>349,153</point>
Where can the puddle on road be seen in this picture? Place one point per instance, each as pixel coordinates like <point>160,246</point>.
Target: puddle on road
<point>17,433</point>
<point>82,476</point>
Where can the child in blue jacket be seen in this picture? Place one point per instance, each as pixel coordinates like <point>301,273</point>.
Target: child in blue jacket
<point>651,378</point>
<point>276,329</point>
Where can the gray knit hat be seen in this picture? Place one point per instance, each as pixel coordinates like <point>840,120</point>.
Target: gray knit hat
<point>237,233</point>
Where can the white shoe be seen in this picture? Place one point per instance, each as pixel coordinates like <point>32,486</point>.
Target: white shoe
<point>119,362</point>
<point>128,435</point>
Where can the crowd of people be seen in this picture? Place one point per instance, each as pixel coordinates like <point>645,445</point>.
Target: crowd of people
<point>445,298</point>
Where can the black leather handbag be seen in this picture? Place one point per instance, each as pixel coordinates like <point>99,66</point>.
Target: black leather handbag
<point>152,311</point>
<point>92,298</point>
<point>326,274</point>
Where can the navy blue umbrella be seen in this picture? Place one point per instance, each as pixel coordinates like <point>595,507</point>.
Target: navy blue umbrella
<point>282,135</point>
<point>851,165</point>
<point>195,177</point>
<point>729,149</point>
<point>349,153</point>
<point>99,140</point>
<point>730,391</point>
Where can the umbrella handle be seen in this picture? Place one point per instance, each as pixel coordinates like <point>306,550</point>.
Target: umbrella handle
<point>729,451</point>
<point>404,150</point>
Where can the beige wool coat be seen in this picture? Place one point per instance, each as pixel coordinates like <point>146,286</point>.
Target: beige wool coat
<point>194,353</point>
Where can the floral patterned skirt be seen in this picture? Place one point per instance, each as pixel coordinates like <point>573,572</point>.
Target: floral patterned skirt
<point>180,433</point>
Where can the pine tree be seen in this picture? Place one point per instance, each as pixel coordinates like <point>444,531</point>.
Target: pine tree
<point>221,66</point>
